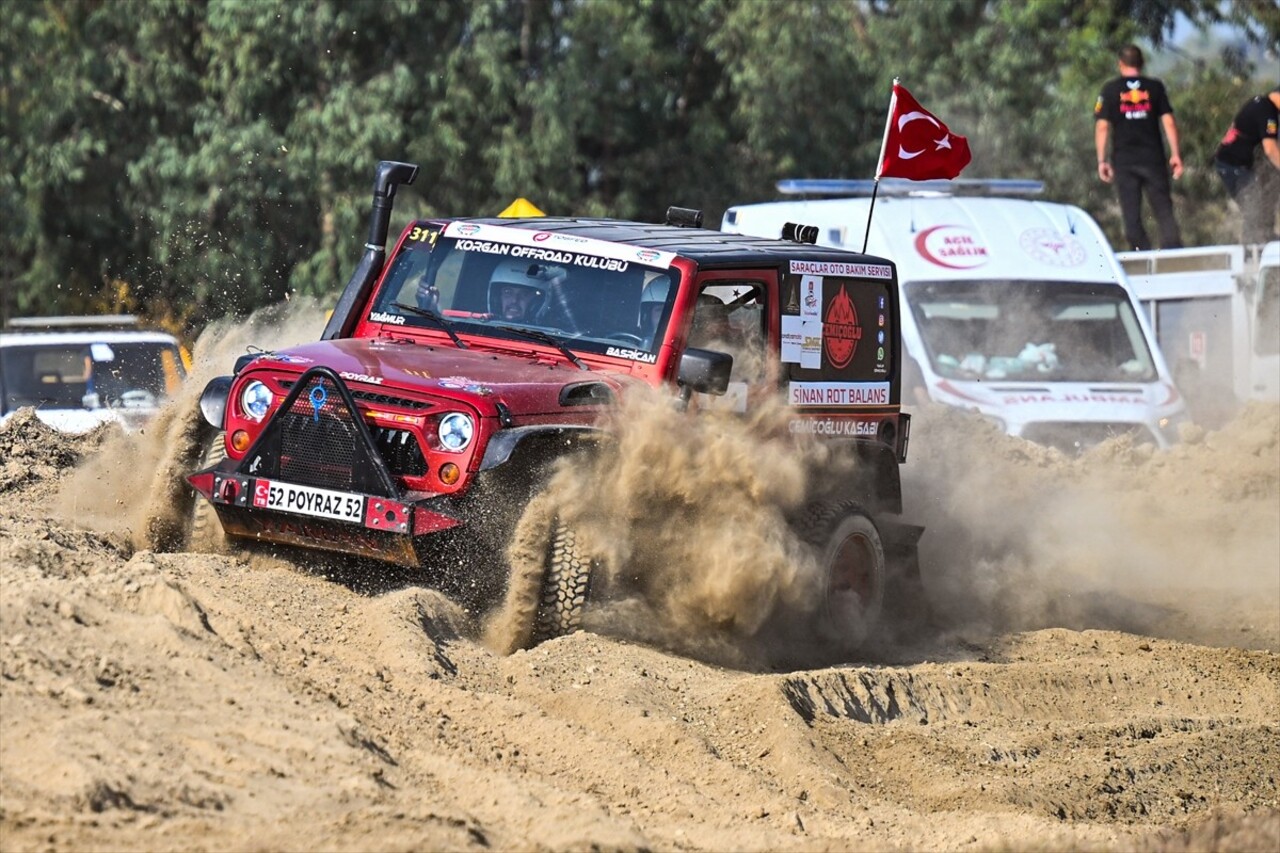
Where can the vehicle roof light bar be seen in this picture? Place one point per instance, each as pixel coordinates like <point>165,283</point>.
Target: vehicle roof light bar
<point>100,321</point>
<point>903,187</point>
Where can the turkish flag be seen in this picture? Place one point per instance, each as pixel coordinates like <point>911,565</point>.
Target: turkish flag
<point>917,146</point>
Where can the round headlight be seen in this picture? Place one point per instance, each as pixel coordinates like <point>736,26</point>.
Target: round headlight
<point>255,400</point>
<point>455,431</point>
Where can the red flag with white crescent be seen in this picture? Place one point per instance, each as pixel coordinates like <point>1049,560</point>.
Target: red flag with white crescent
<point>917,146</point>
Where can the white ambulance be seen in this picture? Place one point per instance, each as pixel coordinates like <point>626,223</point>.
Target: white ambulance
<point>1012,307</point>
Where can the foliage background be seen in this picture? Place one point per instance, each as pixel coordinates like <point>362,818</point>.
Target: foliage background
<point>188,158</point>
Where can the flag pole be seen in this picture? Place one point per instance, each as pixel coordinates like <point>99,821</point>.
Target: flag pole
<point>875,186</point>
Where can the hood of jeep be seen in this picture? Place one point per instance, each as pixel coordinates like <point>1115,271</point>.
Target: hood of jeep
<point>526,383</point>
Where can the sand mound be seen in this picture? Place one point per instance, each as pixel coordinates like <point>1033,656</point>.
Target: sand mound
<point>1103,672</point>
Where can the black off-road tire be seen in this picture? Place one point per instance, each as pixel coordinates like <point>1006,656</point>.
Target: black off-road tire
<point>843,533</point>
<point>206,534</point>
<point>566,585</point>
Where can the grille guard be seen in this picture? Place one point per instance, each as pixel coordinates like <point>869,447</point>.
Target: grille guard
<point>319,403</point>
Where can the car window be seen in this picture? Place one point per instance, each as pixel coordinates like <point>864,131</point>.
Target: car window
<point>729,317</point>
<point>131,374</point>
<point>54,377</point>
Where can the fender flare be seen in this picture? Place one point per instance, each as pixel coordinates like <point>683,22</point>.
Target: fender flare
<point>213,400</point>
<point>545,440</point>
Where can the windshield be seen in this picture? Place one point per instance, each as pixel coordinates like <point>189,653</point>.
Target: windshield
<point>1030,330</point>
<point>89,375</point>
<point>502,280</point>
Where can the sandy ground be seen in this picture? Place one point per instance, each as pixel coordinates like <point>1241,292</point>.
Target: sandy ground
<point>1102,672</point>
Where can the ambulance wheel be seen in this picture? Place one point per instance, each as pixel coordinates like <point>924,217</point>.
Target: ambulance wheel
<point>206,530</point>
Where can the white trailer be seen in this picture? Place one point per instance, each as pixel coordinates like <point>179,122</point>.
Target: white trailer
<point>1216,314</point>
<point>1013,307</point>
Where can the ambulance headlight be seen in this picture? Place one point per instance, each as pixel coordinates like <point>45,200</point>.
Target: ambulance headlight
<point>455,431</point>
<point>1171,426</point>
<point>255,400</point>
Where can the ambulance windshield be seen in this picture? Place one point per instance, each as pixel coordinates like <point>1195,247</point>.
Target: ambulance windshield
<point>1030,330</point>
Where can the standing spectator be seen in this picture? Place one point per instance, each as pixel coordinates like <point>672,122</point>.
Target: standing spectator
<point>1255,188</point>
<point>1130,111</point>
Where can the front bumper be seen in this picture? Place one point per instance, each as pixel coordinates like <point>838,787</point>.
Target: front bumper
<point>315,478</point>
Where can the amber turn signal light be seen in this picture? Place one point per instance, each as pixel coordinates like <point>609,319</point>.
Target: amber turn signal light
<point>240,441</point>
<point>449,473</point>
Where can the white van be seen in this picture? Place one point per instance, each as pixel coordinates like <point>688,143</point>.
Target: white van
<point>1012,307</point>
<point>1216,314</point>
<point>81,372</point>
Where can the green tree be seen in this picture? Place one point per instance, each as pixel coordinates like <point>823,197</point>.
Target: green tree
<point>187,158</point>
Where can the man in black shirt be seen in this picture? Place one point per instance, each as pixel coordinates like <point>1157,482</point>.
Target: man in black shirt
<point>1255,188</point>
<point>1130,111</point>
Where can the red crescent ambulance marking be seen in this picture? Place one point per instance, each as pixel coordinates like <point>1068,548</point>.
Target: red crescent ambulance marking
<point>952,246</point>
<point>946,385</point>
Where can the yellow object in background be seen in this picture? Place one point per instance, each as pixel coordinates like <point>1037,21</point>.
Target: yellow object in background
<point>521,207</point>
<point>169,364</point>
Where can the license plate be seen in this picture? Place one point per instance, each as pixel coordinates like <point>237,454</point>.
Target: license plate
<point>305,500</point>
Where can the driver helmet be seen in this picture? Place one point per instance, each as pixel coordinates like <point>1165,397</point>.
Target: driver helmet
<point>525,275</point>
<point>653,296</point>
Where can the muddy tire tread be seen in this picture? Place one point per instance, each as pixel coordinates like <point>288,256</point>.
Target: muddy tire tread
<point>565,586</point>
<point>820,523</point>
<point>206,530</point>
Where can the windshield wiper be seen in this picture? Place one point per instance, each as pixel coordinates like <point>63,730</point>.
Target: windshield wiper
<point>543,337</point>
<point>431,315</point>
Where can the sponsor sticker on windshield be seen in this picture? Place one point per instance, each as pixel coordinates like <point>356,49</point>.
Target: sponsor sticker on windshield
<point>632,354</point>
<point>554,247</point>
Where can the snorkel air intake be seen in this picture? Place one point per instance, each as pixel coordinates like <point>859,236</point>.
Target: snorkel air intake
<point>389,176</point>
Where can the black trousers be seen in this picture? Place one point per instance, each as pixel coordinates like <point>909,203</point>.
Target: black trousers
<point>1257,191</point>
<point>1153,179</point>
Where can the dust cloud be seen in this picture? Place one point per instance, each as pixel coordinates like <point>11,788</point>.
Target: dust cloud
<point>692,516</point>
<point>134,483</point>
<point>1124,537</point>
<point>689,515</point>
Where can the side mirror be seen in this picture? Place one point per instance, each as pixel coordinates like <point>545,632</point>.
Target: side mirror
<point>705,371</point>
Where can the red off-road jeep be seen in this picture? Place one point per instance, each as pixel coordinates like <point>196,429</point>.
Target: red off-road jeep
<point>451,374</point>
